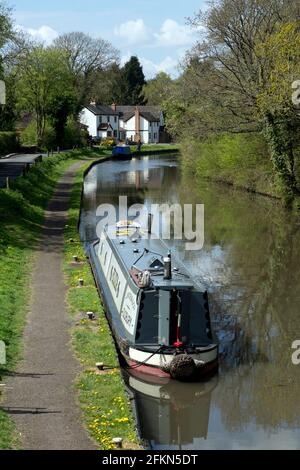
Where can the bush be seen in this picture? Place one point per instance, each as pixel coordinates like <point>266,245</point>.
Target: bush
<point>241,159</point>
<point>108,142</point>
<point>29,138</point>
<point>74,136</point>
<point>8,142</point>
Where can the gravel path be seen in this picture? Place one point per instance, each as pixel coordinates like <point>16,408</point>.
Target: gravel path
<point>42,399</point>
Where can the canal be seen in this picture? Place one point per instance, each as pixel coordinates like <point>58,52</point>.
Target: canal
<point>250,266</point>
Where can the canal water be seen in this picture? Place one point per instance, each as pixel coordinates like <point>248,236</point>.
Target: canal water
<point>250,264</point>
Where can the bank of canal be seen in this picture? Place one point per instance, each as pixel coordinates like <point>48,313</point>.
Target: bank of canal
<point>22,215</point>
<point>250,265</point>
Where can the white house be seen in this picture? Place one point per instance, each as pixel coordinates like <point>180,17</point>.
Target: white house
<point>133,123</point>
<point>101,121</point>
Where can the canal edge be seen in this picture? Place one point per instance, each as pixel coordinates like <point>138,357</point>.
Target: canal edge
<point>101,431</point>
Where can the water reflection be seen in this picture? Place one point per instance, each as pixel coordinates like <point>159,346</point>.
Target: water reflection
<point>250,264</point>
<point>170,415</point>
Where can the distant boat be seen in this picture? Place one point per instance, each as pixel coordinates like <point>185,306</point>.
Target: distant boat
<point>158,314</point>
<point>121,150</point>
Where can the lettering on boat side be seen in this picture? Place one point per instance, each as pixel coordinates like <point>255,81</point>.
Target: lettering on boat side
<point>296,353</point>
<point>116,282</point>
<point>2,353</point>
<point>129,311</point>
<point>114,279</point>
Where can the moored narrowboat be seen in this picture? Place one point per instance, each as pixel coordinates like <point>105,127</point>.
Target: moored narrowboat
<point>159,316</point>
<point>121,151</point>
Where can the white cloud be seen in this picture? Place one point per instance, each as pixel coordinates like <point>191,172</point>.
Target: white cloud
<point>133,32</point>
<point>173,34</point>
<point>170,34</point>
<point>167,65</point>
<point>44,33</point>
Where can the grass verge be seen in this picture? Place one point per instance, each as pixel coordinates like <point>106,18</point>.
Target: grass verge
<point>21,217</point>
<point>104,402</point>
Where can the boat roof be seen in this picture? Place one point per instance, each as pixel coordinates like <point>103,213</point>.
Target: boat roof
<point>138,251</point>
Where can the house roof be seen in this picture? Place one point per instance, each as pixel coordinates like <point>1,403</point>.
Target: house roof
<point>101,110</point>
<point>151,113</point>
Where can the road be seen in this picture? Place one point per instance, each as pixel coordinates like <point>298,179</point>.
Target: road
<point>15,165</point>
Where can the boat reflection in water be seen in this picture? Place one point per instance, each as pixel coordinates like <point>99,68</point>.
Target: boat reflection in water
<point>170,414</point>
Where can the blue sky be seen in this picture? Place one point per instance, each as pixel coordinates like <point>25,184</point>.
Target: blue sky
<point>155,30</point>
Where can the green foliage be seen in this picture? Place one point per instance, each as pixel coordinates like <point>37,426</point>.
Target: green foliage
<point>43,80</point>
<point>238,79</point>
<point>6,24</point>
<point>29,137</point>
<point>241,160</point>
<point>157,90</point>
<point>8,142</point>
<point>133,82</point>
<point>281,53</point>
<point>74,136</point>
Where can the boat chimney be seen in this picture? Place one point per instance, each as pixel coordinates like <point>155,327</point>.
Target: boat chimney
<point>150,221</point>
<point>168,267</point>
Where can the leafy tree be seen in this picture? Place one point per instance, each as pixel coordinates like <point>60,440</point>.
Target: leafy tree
<point>7,113</point>
<point>86,58</point>
<point>158,89</point>
<point>281,53</point>
<point>109,85</point>
<point>133,79</point>
<point>228,76</point>
<point>43,80</point>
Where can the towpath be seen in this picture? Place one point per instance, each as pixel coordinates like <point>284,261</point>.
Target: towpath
<point>41,397</point>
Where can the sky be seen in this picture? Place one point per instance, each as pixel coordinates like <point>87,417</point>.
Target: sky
<point>154,30</point>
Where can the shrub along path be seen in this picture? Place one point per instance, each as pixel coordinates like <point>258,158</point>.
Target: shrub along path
<point>41,398</point>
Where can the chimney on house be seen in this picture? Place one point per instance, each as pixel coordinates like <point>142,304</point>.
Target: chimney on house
<point>114,107</point>
<point>137,124</point>
<point>93,103</point>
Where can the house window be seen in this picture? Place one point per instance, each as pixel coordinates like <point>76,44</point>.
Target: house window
<point>108,118</point>
<point>150,137</point>
<point>115,119</point>
<point>115,133</point>
<point>109,134</point>
<point>100,119</point>
<point>155,135</point>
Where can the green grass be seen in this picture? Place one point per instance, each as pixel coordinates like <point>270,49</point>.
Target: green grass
<point>104,402</point>
<point>21,217</point>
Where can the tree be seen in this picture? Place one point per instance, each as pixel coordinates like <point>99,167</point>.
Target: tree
<point>158,89</point>
<point>281,53</point>
<point>109,85</point>
<point>225,74</point>
<point>133,79</point>
<point>7,114</point>
<point>43,80</point>
<point>86,58</point>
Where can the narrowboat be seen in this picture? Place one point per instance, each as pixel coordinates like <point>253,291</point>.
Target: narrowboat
<point>121,151</point>
<point>158,314</point>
